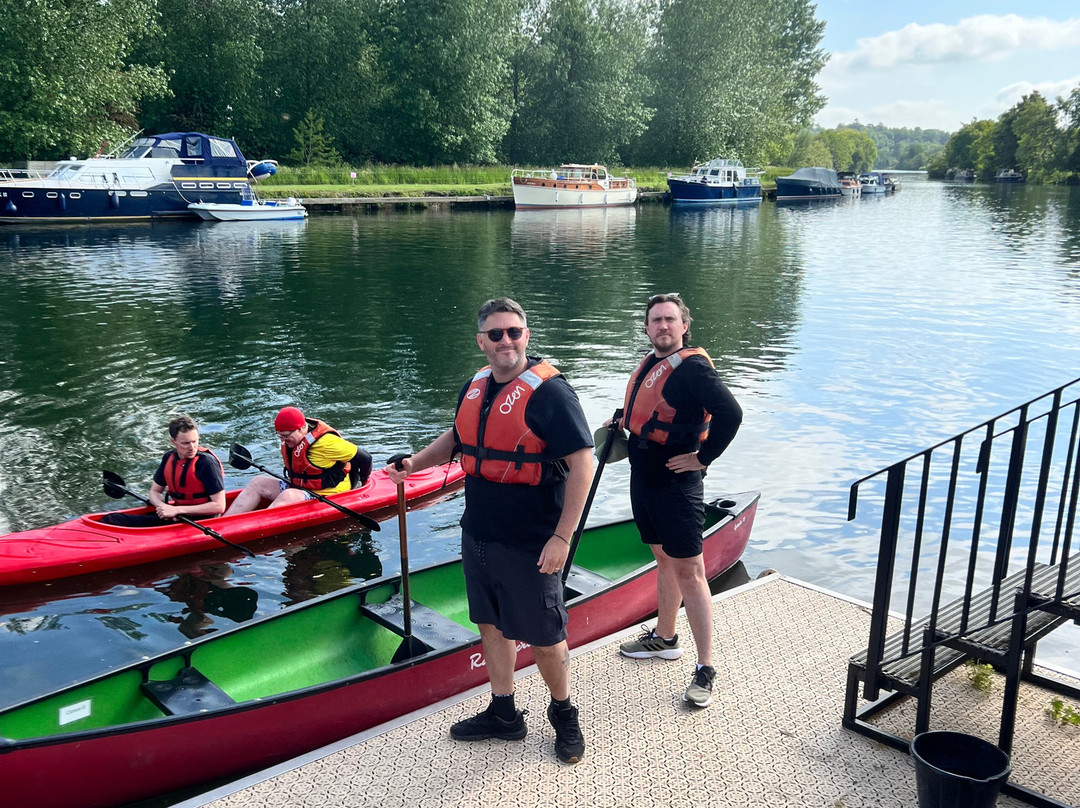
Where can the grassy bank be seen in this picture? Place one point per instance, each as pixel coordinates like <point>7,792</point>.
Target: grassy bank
<point>338,182</point>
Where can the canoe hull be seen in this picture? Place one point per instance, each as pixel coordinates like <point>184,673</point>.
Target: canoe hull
<point>86,545</point>
<point>115,766</point>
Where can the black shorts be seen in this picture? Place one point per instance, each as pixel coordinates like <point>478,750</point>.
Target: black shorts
<point>671,515</point>
<point>507,590</point>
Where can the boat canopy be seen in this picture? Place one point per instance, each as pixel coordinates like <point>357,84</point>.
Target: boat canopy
<point>193,147</point>
<point>826,177</point>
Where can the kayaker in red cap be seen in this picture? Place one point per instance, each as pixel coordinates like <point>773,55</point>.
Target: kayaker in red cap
<point>317,459</point>
<point>189,481</point>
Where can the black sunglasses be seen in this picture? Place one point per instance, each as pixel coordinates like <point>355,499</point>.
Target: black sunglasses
<point>496,334</point>
<point>667,297</point>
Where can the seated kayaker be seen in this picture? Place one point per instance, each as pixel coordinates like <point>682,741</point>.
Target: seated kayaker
<point>317,459</point>
<point>189,482</point>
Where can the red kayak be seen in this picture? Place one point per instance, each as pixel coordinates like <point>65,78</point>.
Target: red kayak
<point>87,545</point>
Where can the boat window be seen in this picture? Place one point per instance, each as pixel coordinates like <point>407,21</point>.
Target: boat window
<point>221,148</point>
<point>76,195</point>
<point>170,143</point>
<point>193,146</point>
<point>715,172</point>
<point>187,185</point>
<point>139,194</point>
<point>159,152</point>
<point>208,185</point>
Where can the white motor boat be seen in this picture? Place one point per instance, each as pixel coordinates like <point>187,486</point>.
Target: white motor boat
<point>249,209</point>
<point>571,185</point>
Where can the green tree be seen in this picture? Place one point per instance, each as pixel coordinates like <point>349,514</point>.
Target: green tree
<point>67,84</point>
<point>210,49</point>
<point>1069,107</point>
<point>1038,141</point>
<point>732,78</point>
<point>313,146</point>
<point>585,98</point>
<point>446,68</point>
<point>320,55</point>
<point>972,147</point>
<point>850,150</point>
<point>818,155</point>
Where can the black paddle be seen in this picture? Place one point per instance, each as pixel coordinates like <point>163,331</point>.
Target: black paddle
<point>114,487</point>
<point>613,428</point>
<point>240,458</point>
<point>410,646</point>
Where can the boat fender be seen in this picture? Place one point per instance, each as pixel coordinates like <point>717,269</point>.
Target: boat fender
<point>10,207</point>
<point>114,199</point>
<point>62,202</point>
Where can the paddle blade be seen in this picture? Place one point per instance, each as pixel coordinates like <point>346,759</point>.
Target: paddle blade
<point>114,484</point>
<point>239,457</point>
<point>410,647</point>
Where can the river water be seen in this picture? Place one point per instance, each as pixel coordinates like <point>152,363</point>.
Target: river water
<point>853,334</point>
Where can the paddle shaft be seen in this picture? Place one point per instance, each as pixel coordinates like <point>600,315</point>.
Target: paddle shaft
<point>404,542</point>
<point>208,531</point>
<point>604,452</point>
<point>366,521</point>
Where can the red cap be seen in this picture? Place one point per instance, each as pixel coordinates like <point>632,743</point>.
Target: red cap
<point>289,419</point>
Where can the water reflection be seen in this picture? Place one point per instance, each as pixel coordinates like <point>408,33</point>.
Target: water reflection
<point>207,595</point>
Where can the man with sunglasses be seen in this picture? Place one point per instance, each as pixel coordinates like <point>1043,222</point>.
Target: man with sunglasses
<point>682,417</point>
<point>525,447</point>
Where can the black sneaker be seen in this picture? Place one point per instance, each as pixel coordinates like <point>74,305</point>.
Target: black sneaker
<point>569,742</point>
<point>488,725</point>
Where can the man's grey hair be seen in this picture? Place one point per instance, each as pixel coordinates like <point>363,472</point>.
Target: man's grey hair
<point>496,305</point>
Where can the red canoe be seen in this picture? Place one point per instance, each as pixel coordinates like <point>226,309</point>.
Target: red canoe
<point>240,700</point>
<point>87,545</point>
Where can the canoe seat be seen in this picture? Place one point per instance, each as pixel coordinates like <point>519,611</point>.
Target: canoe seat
<point>188,693</point>
<point>581,581</point>
<point>434,630</point>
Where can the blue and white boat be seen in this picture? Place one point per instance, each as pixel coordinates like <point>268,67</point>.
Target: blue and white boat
<point>1009,175</point>
<point>718,181</point>
<point>808,184</point>
<point>871,183</point>
<point>250,209</point>
<point>155,176</point>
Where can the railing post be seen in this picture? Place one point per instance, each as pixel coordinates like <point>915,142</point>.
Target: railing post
<point>890,530</point>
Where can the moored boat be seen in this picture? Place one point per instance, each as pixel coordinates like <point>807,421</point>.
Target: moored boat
<point>871,183</point>
<point>718,181</point>
<point>808,184</point>
<point>154,176</point>
<point>849,184</point>
<point>271,689</point>
<point>571,185</point>
<point>250,209</point>
<point>87,544</point>
<point>1009,175</point>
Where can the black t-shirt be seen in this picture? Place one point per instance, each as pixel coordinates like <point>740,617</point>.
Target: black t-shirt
<point>207,470</point>
<point>513,513</point>
<point>693,386</point>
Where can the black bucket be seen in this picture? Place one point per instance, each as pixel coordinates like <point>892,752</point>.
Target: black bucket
<point>954,770</point>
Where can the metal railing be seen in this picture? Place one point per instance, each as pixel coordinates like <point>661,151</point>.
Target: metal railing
<point>960,517</point>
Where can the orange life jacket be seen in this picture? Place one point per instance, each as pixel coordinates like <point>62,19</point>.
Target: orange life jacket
<point>181,484</point>
<point>496,443</point>
<point>305,474</point>
<point>647,412</point>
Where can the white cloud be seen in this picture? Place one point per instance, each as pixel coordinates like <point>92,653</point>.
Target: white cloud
<point>925,114</point>
<point>1050,90</point>
<point>974,39</point>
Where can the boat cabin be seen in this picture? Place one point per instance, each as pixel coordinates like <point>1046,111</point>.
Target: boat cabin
<point>575,171</point>
<point>191,147</point>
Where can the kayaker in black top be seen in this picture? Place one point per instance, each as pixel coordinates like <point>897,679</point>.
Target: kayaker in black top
<point>681,418</point>
<point>525,447</point>
<point>189,481</point>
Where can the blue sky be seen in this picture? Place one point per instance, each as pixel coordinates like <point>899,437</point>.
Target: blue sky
<point>940,65</point>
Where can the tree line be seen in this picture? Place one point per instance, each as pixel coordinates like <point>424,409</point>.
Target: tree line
<point>1035,136</point>
<point>532,82</point>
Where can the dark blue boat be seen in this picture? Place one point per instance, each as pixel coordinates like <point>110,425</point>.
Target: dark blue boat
<point>156,176</point>
<point>808,183</point>
<point>717,181</point>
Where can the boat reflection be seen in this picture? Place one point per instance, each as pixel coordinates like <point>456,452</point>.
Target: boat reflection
<point>581,231</point>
